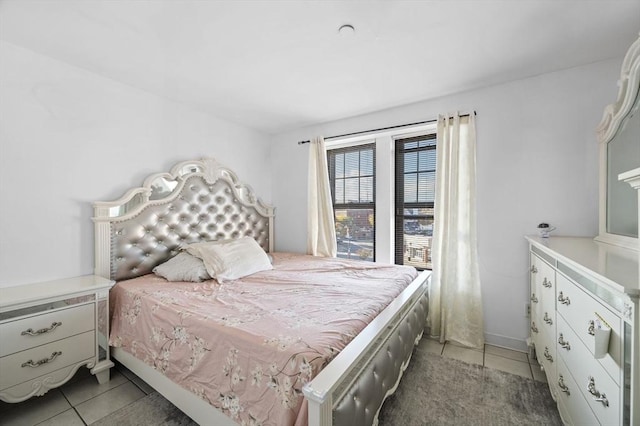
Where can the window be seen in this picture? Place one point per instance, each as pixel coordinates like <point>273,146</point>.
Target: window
<point>415,196</point>
<point>352,175</point>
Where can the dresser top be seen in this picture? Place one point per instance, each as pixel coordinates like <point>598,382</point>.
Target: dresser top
<point>618,267</point>
<point>28,293</point>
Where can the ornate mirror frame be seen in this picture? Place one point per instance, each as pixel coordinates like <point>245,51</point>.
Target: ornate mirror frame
<point>611,124</point>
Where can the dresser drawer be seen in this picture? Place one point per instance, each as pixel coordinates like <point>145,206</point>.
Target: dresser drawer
<point>535,332</point>
<point>543,283</point>
<point>573,408</point>
<point>547,321</point>
<point>584,368</point>
<point>579,312</point>
<point>534,303</point>
<point>546,354</point>
<point>14,368</point>
<point>15,335</point>
<point>538,342</point>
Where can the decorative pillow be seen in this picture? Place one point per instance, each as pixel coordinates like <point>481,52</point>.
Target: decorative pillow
<point>183,267</point>
<point>229,260</point>
<point>195,249</point>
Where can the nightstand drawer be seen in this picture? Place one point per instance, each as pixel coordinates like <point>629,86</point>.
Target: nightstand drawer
<point>26,365</point>
<point>38,330</point>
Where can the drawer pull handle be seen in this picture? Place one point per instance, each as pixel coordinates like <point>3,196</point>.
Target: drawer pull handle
<point>534,270</point>
<point>30,332</point>
<point>547,319</point>
<point>564,388</point>
<point>592,328</point>
<point>563,343</point>
<point>546,283</point>
<point>534,299</point>
<point>599,397</point>
<point>564,300</point>
<point>533,327</point>
<point>43,361</point>
<point>547,355</point>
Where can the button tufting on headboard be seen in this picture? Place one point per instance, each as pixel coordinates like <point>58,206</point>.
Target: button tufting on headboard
<point>144,231</point>
<point>139,237</point>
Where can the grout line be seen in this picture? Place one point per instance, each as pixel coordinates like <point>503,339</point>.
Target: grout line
<point>73,407</point>
<point>499,356</point>
<point>484,355</point>
<point>140,387</point>
<point>112,412</point>
<point>79,416</point>
<point>59,390</point>
<point>505,348</point>
<point>531,370</point>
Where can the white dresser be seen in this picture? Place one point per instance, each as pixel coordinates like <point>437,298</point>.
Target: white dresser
<point>579,289</point>
<point>48,330</point>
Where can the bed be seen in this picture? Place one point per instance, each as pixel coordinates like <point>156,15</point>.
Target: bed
<point>237,351</point>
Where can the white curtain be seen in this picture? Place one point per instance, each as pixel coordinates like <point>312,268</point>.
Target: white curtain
<point>321,233</point>
<point>455,305</point>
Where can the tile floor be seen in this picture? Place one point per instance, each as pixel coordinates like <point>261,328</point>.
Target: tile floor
<point>82,401</point>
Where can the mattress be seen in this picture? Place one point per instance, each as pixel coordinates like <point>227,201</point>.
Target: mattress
<point>247,347</point>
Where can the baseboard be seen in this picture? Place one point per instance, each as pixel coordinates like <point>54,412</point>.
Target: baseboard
<point>506,342</point>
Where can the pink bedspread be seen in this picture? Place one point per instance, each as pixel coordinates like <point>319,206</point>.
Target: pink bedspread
<point>247,347</point>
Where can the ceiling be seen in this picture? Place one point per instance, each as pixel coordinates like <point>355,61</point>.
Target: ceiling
<point>279,65</point>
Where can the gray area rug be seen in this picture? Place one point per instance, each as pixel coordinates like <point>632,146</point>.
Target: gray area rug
<point>433,391</point>
<point>444,391</point>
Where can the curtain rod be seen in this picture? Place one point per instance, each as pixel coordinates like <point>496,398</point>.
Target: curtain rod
<point>381,129</point>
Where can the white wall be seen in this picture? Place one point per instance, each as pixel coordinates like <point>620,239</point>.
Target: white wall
<point>69,137</point>
<point>536,161</point>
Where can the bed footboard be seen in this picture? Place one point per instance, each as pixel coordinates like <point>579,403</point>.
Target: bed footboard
<point>353,387</point>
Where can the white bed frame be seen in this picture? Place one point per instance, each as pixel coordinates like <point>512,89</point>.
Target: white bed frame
<point>375,358</point>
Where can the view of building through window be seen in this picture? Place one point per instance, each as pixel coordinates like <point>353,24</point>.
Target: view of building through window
<point>355,233</point>
<point>417,236</point>
<point>415,196</point>
<point>352,179</point>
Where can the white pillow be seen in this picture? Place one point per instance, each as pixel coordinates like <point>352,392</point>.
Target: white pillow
<point>195,249</point>
<point>229,260</point>
<point>183,267</point>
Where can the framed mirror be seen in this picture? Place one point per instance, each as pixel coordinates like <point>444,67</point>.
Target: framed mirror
<point>619,139</point>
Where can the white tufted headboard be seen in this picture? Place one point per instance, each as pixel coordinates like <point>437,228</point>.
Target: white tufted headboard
<point>196,201</point>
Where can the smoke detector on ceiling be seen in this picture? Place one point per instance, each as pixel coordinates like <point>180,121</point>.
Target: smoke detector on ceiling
<point>347,30</point>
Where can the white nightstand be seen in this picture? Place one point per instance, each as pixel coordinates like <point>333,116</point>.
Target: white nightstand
<point>48,330</point>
